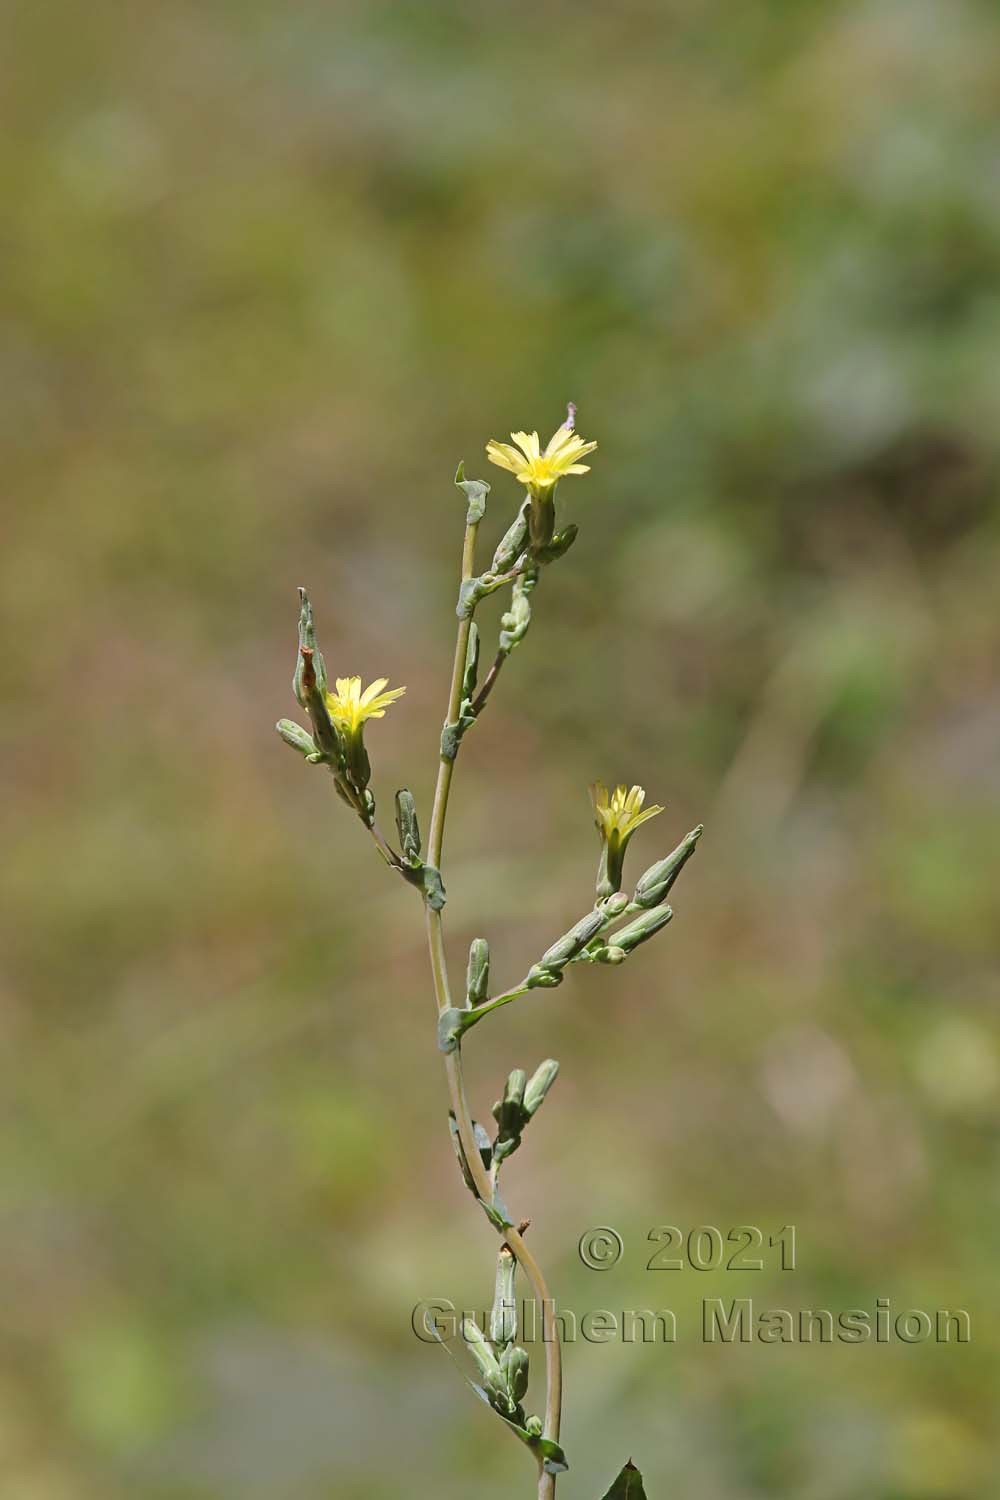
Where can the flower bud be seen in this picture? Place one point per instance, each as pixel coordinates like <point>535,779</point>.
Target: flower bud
<point>407,826</point>
<point>503,1318</point>
<point>510,1116</point>
<point>514,1365</point>
<point>560,544</point>
<point>508,1111</point>
<point>314,700</point>
<point>477,977</point>
<point>643,928</point>
<point>612,955</point>
<point>654,885</point>
<point>512,544</point>
<point>293,734</point>
<point>539,1084</point>
<point>482,1353</point>
<point>543,979</point>
<point>572,942</point>
<point>307,638</point>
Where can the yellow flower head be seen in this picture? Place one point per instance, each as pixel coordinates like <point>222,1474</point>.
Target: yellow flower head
<point>349,707</point>
<point>617,816</point>
<point>541,472</point>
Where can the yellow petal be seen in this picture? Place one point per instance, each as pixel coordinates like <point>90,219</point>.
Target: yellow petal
<point>559,439</point>
<point>505,456</point>
<point>528,442</point>
<point>372,690</point>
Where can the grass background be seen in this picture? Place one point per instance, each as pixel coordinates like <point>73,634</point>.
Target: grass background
<point>269,272</point>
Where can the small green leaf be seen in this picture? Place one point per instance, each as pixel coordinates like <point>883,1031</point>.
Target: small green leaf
<point>451,1024</point>
<point>553,1457</point>
<point>476,491</point>
<point>427,878</point>
<point>628,1485</point>
<point>471,662</point>
<point>514,623</point>
<point>451,734</point>
<point>433,887</point>
<point>497,1214</point>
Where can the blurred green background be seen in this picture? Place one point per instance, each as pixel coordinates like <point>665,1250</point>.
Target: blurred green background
<point>268,273</point>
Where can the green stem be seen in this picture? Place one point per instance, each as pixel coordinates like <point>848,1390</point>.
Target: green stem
<point>453,1060</point>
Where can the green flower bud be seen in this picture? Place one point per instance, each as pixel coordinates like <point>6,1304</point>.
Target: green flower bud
<point>572,942</point>
<point>503,1318</point>
<point>613,906</point>
<point>654,885</point>
<point>325,733</point>
<point>543,979</point>
<point>643,928</point>
<point>533,1426</point>
<point>307,638</point>
<point>513,543</point>
<point>612,955</point>
<point>538,1085</point>
<point>514,1365</point>
<point>559,545</point>
<point>514,623</point>
<point>293,734</point>
<point>477,977</point>
<point>510,1116</point>
<point>407,827</point>
<point>482,1353</point>
<point>509,1111</point>
<point>513,1094</point>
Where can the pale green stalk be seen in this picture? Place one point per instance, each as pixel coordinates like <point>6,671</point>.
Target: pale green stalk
<point>453,1060</point>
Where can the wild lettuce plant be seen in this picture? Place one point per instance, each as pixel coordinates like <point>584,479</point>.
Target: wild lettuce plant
<point>608,933</point>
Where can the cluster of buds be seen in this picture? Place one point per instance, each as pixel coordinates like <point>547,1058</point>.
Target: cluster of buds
<point>617,815</point>
<point>591,939</point>
<point>522,1099</point>
<point>503,1364</point>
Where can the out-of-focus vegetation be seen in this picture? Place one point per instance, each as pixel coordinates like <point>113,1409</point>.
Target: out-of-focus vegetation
<point>269,271</point>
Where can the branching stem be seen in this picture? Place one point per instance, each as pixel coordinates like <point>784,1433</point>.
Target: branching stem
<point>453,1060</point>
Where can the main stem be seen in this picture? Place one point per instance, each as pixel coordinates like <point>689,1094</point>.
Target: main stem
<point>453,1060</point>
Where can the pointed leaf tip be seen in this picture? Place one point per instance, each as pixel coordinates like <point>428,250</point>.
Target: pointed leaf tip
<point>628,1485</point>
